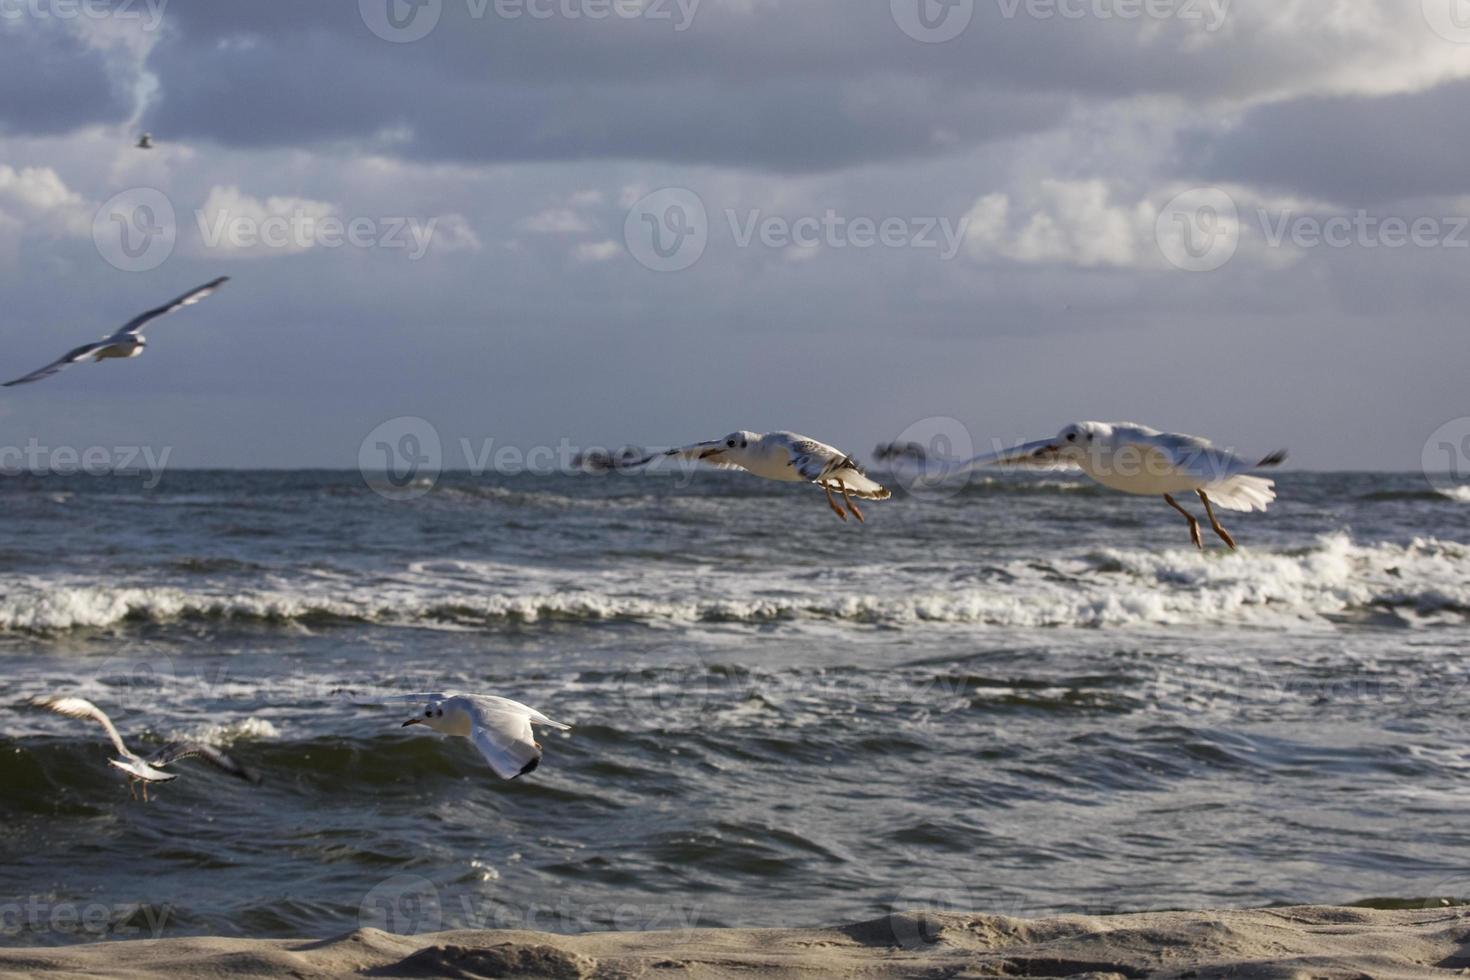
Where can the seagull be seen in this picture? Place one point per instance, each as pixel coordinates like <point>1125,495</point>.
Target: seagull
<point>142,770</point>
<point>1135,459</point>
<point>145,141</point>
<point>499,727</point>
<point>790,458</point>
<point>127,341</point>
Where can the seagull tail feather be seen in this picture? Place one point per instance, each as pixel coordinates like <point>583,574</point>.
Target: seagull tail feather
<point>1242,492</point>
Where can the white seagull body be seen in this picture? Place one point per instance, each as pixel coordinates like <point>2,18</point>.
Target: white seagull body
<point>142,770</point>
<point>499,727</point>
<point>1138,459</point>
<point>789,458</point>
<point>126,341</point>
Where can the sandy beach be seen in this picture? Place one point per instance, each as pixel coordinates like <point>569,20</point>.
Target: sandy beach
<point>1317,942</point>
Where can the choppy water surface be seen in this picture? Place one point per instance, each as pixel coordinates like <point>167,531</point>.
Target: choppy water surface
<point>1030,696</point>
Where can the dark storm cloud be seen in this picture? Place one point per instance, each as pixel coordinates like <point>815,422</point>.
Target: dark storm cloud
<point>52,82</point>
<point>780,86</point>
<point>1349,150</point>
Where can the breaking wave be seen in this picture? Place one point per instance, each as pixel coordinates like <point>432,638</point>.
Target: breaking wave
<point>1421,581</point>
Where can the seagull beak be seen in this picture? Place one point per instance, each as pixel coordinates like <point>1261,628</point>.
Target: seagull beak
<point>710,452</point>
<point>412,721</point>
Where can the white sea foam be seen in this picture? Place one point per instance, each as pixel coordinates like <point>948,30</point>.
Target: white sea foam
<point>1426,578</point>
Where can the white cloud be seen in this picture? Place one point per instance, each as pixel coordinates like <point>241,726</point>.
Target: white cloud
<point>556,221</point>
<point>597,251</point>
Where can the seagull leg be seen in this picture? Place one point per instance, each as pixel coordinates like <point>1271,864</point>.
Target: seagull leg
<point>850,505</point>
<point>1193,524</point>
<point>145,792</point>
<point>1224,534</point>
<point>132,788</point>
<point>832,502</point>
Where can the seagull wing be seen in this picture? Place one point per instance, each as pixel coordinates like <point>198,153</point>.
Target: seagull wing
<point>817,462</point>
<point>1188,455</point>
<point>82,708</point>
<point>131,328</point>
<point>489,703</point>
<point>910,461</point>
<point>86,352</point>
<point>175,751</point>
<point>693,451</point>
<point>355,698</point>
<point>505,739</point>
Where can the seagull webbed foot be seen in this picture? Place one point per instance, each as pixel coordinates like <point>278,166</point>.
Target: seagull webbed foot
<point>847,498</point>
<point>832,502</point>
<point>1224,534</point>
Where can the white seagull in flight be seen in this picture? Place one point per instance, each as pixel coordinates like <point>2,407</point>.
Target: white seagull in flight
<point>1137,459</point>
<point>127,341</point>
<point>787,457</point>
<point>499,727</point>
<point>142,770</point>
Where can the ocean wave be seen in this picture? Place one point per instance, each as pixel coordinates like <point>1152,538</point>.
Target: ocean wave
<point>1459,494</point>
<point>1420,581</point>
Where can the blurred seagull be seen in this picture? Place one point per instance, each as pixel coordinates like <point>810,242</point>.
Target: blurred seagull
<point>145,142</point>
<point>1134,459</point>
<point>127,341</point>
<point>142,770</point>
<point>787,457</point>
<point>499,727</point>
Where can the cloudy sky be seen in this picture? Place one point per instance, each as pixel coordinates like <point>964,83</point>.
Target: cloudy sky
<point>651,221</point>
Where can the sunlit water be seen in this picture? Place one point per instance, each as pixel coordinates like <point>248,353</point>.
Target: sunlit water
<point>1027,697</point>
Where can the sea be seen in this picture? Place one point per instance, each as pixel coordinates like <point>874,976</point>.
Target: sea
<point>1024,696</point>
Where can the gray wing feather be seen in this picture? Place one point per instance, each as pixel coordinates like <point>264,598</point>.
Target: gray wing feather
<point>198,750</point>
<point>132,327</point>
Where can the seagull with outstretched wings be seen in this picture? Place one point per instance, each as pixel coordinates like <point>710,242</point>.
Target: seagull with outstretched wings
<point>1131,458</point>
<point>499,727</point>
<point>127,341</point>
<point>144,771</point>
<point>787,457</point>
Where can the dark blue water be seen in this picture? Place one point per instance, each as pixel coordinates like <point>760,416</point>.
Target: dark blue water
<point>1030,696</point>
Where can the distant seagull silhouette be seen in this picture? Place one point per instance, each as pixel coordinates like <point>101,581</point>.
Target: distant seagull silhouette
<point>145,142</point>
<point>789,458</point>
<point>499,727</point>
<point>128,341</point>
<point>1132,458</point>
<point>142,770</point>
